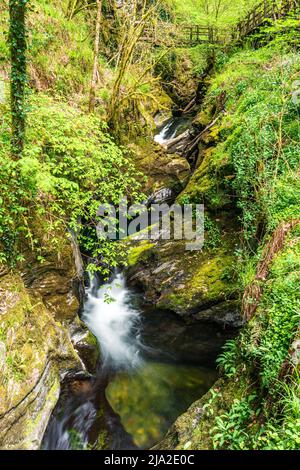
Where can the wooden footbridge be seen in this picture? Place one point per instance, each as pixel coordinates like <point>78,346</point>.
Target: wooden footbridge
<point>193,34</point>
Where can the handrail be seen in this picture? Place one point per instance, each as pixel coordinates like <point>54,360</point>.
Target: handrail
<point>193,34</point>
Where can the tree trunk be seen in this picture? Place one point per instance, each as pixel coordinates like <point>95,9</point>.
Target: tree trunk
<point>96,54</point>
<point>17,41</point>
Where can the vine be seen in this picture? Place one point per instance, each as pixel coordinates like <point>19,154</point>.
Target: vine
<point>18,46</point>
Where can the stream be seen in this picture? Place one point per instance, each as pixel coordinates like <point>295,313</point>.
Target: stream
<point>153,366</point>
<point>171,128</point>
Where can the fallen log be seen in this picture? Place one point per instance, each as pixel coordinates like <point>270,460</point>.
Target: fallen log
<point>254,291</point>
<point>178,144</point>
<point>190,106</point>
<point>192,146</point>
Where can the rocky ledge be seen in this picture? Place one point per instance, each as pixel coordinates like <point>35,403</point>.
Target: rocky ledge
<point>36,307</point>
<point>196,285</point>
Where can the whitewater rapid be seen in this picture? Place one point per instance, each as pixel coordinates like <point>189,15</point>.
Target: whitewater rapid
<point>115,323</point>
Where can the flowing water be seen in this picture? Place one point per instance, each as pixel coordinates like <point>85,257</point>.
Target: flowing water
<point>153,366</point>
<point>112,318</point>
<point>171,129</point>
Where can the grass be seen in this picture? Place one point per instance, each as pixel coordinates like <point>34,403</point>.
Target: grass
<point>195,11</point>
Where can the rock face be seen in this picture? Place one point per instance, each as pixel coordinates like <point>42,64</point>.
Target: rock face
<point>196,285</point>
<point>163,171</point>
<point>58,282</point>
<point>35,347</point>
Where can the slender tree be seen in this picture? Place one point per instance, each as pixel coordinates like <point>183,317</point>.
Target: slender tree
<point>96,57</point>
<point>137,15</point>
<point>17,41</point>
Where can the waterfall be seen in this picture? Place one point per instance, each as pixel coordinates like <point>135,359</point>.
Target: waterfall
<point>166,133</point>
<point>114,321</point>
<point>172,128</point>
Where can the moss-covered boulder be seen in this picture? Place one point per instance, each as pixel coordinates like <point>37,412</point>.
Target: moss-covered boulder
<point>35,349</point>
<point>86,345</point>
<point>196,285</point>
<point>208,183</point>
<point>161,170</point>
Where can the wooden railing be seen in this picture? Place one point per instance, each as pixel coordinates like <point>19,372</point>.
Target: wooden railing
<point>193,34</point>
<point>267,9</point>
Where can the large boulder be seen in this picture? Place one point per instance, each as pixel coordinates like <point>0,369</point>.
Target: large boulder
<point>163,171</point>
<point>196,285</point>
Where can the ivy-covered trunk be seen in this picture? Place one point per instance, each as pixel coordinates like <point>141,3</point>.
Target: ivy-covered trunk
<point>17,41</point>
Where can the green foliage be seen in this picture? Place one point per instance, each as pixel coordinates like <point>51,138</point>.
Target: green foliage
<point>283,31</point>
<point>257,145</point>
<point>70,166</point>
<point>207,11</point>
<point>18,76</point>
<point>260,351</point>
<point>228,360</point>
<point>258,138</point>
<point>231,428</point>
<point>15,198</point>
<point>212,233</point>
<point>60,50</point>
<point>278,320</point>
<point>199,57</point>
<point>283,434</point>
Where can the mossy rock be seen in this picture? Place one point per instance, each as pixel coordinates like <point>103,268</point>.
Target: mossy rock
<point>88,349</point>
<point>191,431</point>
<point>56,280</point>
<point>139,253</point>
<point>196,285</point>
<point>207,183</point>
<point>35,349</point>
<point>204,284</point>
<point>161,170</point>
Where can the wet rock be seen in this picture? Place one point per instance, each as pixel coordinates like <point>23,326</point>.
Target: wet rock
<point>226,314</point>
<point>168,337</point>
<point>86,344</point>
<point>161,196</point>
<point>196,285</point>
<point>36,308</point>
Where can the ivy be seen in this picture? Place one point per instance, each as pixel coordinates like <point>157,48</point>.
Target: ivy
<point>18,80</point>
